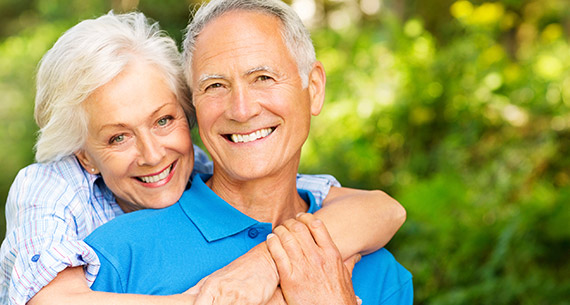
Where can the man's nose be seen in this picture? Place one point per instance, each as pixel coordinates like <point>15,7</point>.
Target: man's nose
<point>243,104</point>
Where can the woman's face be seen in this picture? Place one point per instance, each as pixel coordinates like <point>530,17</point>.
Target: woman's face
<point>138,139</point>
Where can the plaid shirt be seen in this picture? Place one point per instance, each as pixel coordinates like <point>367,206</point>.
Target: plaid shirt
<point>52,207</point>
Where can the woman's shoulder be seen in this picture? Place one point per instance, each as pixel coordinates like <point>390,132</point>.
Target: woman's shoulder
<point>67,169</point>
<point>58,181</point>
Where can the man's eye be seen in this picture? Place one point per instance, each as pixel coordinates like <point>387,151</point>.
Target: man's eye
<point>214,86</point>
<point>117,139</point>
<point>263,77</point>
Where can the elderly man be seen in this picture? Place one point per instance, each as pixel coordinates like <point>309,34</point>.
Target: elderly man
<point>255,83</point>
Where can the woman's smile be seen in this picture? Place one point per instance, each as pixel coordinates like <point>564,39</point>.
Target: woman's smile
<point>158,179</point>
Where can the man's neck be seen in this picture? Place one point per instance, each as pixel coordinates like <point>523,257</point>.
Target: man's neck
<point>270,199</point>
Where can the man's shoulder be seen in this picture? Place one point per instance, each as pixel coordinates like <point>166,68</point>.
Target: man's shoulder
<point>380,277</point>
<point>131,227</point>
<point>384,261</point>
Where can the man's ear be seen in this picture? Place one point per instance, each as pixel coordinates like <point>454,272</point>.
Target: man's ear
<point>86,161</point>
<point>317,82</point>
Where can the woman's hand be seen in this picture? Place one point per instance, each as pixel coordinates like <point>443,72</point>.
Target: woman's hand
<point>250,279</point>
<point>309,264</point>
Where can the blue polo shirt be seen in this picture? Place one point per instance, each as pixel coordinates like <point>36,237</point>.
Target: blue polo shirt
<point>167,251</point>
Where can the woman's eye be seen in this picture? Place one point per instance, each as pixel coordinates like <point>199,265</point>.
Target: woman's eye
<point>164,121</point>
<point>117,139</point>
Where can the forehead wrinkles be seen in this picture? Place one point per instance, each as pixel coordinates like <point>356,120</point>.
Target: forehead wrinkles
<point>243,59</point>
<point>238,32</point>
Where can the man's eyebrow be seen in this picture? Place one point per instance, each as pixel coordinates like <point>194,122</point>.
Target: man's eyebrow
<point>206,77</point>
<point>260,69</point>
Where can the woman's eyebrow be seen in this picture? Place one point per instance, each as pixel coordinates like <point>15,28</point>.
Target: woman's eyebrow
<point>122,125</point>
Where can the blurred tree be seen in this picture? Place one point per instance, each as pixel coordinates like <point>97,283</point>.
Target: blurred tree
<point>459,109</point>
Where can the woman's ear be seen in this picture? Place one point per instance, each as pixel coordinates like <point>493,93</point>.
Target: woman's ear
<point>317,82</point>
<point>86,161</point>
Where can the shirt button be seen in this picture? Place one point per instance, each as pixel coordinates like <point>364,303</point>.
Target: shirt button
<point>252,233</point>
<point>35,258</point>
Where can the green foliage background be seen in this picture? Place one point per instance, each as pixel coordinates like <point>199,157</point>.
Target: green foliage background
<point>458,109</point>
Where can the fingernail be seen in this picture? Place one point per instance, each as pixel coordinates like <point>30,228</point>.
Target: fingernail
<point>299,215</point>
<point>270,235</point>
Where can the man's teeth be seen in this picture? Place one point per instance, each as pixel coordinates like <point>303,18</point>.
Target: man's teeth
<point>156,178</point>
<point>262,133</point>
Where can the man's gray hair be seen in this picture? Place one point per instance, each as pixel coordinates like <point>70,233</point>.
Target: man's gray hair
<point>88,56</point>
<point>295,35</point>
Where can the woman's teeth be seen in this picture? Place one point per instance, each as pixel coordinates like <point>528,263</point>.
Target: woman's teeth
<point>262,133</point>
<point>156,178</point>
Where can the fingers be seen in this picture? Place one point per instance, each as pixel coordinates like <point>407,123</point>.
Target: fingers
<point>204,298</point>
<point>302,243</point>
<point>351,261</point>
<point>277,298</point>
<point>358,301</point>
<point>279,254</point>
<point>318,230</point>
<point>196,289</point>
<point>315,269</point>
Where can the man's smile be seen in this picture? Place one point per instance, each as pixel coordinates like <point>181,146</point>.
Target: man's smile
<point>245,138</point>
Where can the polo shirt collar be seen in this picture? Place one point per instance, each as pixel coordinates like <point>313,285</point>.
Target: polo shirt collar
<point>215,218</point>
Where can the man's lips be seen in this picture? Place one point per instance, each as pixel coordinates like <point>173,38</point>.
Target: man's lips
<point>245,138</point>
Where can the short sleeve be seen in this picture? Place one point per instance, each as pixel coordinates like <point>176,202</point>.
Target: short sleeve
<point>318,185</point>
<point>108,278</point>
<point>404,295</point>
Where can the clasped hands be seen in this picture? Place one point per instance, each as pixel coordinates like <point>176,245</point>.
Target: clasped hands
<point>298,264</point>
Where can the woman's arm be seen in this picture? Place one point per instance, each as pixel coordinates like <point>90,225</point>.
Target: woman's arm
<point>374,219</point>
<point>70,287</point>
<point>360,221</point>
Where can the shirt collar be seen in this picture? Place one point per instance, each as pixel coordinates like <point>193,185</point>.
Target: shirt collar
<point>215,218</point>
<point>98,186</point>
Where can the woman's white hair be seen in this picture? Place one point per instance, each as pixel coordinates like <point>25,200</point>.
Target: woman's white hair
<point>86,57</point>
<point>295,35</point>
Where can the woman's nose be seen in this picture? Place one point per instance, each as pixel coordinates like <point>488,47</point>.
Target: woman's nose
<point>151,151</point>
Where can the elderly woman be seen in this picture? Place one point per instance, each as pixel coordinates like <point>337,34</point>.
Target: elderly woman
<point>114,118</point>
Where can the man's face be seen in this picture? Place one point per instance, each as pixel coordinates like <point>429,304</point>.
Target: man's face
<point>252,110</point>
